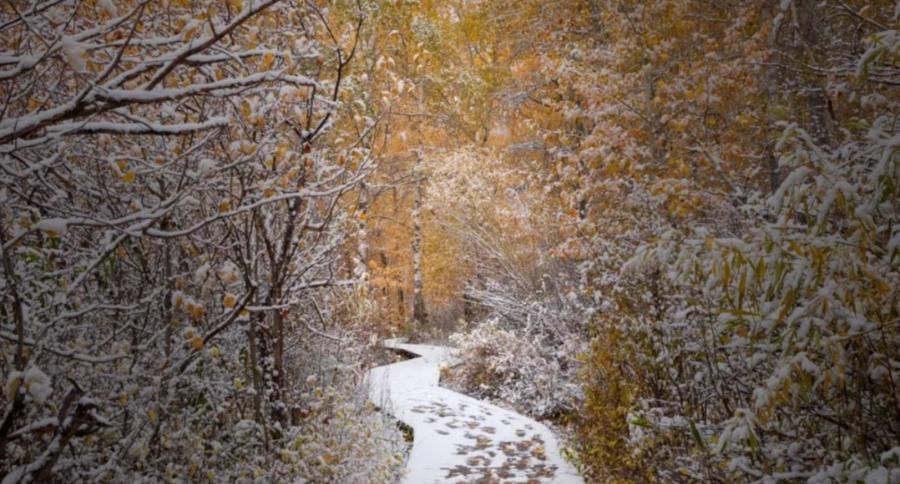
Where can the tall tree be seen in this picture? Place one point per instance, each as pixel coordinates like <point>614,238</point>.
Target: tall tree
<point>169,209</point>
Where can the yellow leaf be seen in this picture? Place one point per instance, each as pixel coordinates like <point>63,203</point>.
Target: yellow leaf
<point>128,176</point>
<point>197,343</point>
<point>189,33</point>
<point>229,301</point>
<point>280,151</point>
<point>266,63</point>
<point>195,311</point>
<point>286,457</point>
<point>12,388</point>
<point>246,110</point>
<point>248,148</point>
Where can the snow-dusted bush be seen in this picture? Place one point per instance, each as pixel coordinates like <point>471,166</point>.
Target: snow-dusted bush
<point>527,322</point>
<point>336,434</point>
<point>768,352</point>
<point>522,369</point>
<point>739,235</point>
<point>342,438</point>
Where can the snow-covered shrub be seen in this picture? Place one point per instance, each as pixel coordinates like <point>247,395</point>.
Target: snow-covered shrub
<point>528,323</point>
<point>746,275</point>
<point>519,368</point>
<point>765,353</point>
<point>806,311</point>
<point>342,438</point>
<point>768,352</point>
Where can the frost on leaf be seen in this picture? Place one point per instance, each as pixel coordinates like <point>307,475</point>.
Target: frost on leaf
<point>73,52</point>
<point>37,384</point>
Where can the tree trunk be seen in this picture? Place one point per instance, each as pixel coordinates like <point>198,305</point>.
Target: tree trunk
<point>419,313</point>
<point>278,376</point>
<point>810,28</point>
<point>360,264</point>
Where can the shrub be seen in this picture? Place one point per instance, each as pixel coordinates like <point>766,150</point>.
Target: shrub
<point>519,368</point>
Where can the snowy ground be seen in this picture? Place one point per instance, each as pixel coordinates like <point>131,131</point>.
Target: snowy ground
<point>459,438</point>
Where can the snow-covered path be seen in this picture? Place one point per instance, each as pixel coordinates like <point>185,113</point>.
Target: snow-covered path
<point>459,438</point>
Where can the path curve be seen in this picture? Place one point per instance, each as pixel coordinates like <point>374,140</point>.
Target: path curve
<point>458,438</point>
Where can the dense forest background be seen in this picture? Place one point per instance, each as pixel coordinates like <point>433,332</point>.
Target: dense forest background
<point>669,228</point>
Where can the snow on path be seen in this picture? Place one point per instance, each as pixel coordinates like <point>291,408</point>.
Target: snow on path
<point>458,438</point>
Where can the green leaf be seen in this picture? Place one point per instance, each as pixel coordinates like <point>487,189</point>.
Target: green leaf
<point>696,435</point>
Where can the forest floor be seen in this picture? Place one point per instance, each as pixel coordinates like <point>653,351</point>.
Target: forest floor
<point>458,438</point>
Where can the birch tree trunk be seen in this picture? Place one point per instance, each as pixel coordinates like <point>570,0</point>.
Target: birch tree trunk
<point>419,313</point>
<point>360,264</point>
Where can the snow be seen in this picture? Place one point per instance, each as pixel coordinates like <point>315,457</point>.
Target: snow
<point>206,167</point>
<point>165,94</point>
<point>72,51</point>
<point>108,6</point>
<point>734,244</point>
<point>37,383</point>
<point>39,424</point>
<point>55,226</point>
<point>228,272</point>
<point>201,273</point>
<point>894,243</point>
<point>777,200</point>
<point>143,127</point>
<point>878,475</point>
<point>14,476</point>
<point>456,436</point>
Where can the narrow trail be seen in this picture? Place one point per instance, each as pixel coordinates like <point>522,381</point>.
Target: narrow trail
<point>458,438</point>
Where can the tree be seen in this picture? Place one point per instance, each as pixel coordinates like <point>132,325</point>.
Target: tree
<point>710,277</point>
<point>170,214</point>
